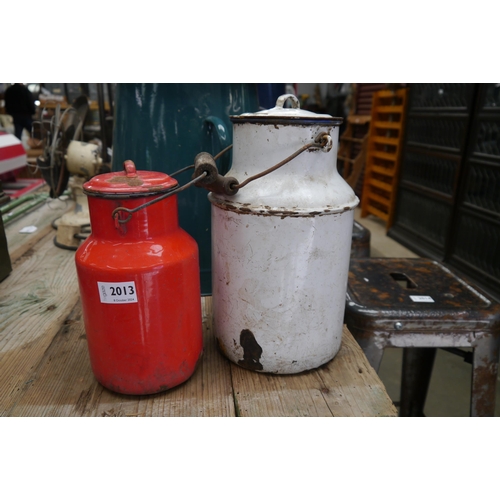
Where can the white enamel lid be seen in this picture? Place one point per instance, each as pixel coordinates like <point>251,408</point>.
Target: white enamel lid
<point>292,115</point>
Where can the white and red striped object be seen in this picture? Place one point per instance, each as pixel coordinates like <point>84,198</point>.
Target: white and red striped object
<point>12,153</point>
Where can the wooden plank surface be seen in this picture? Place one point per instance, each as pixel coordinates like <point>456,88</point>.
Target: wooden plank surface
<point>384,156</point>
<point>42,218</point>
<point>391,141</point>
<point>62,384</point>
<point>45,368</point>
<point>387,171</point>
<point>376,211</point>
<point>35,300</point>
<point>386,124</point>
<point>380,199</point>
<point>346,386</point>
<point>381,185</point>
<point>389,109</point>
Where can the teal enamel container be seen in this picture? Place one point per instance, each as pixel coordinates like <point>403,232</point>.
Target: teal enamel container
<point>163,126</point>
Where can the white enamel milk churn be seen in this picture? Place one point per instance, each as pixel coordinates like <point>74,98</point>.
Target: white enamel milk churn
<point>281,244</point>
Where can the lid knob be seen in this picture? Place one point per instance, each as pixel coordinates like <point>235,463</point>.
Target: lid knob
<point>129,167</point>
<point>283,98</point>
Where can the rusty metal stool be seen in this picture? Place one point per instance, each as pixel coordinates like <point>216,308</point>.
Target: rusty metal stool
<point>361,236</point>
<point>420,305</point>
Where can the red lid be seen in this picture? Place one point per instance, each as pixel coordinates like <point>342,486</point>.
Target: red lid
<point>130,182</point>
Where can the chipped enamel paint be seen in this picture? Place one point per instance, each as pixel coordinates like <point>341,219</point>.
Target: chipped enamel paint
<point>280,251</point>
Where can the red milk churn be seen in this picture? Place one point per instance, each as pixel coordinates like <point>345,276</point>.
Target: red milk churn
<point>139,281</point>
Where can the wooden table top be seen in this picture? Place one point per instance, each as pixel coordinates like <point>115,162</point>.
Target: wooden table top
<point>45,368</point>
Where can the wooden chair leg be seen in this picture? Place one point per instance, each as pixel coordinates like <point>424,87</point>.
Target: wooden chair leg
<point>417,370</point>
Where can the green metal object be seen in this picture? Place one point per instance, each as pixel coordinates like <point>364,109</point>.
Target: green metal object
<point>19,201</point>
<point>162,127</point>
<point>25,204</point>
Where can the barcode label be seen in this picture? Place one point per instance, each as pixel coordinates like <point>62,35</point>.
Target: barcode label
<point>421,298</point>
<point>117,293</point>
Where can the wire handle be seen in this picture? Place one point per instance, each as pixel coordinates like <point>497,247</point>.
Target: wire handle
<point>323,141</point>
<point>130,211</point>
<point>207,176</point>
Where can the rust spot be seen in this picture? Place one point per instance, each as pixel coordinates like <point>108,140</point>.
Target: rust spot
<point>266,211</point>
<point>51,308</point>
<point>123,179</point>
<point>393,282</point>
<point>483,397</point>
<point>251,351</point>
<point>325,390</point>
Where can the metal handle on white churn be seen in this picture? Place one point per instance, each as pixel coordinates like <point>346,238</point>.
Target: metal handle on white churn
<point>213,181</point>
<point>207,176</point>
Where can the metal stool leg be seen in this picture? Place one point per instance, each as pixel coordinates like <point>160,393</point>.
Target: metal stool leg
<point>417,370</point>
<point>484,376</point>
